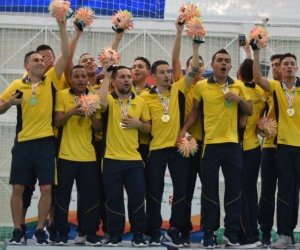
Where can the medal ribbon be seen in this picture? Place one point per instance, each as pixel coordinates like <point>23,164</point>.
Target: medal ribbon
<point>91,87</point>
<point>224,90</point>
<point>290,98</point>
<point>164,104</point>
<point>137,89</point>
<point>124,111</point>
<point>34,86</point>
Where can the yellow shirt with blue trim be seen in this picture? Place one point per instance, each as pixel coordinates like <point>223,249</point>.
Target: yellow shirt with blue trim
<point>76,138</point>
<point>288,126</point>
<point>251,139</point>
<point>164,134</point>
<point>34,122</point>
<point>220,122</point>
<point>119,143</point>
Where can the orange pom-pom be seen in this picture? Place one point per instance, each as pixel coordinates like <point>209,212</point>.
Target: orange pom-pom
<point>195,28</point>
<point>268,126</point>
<point>261,35</point>
<point>60,9</point>
<point>122,20</point>
<point>188,11</point>
<point>108,55</point>
<point>86,15</point>
<point>89,103</point>
<point>187,146</point>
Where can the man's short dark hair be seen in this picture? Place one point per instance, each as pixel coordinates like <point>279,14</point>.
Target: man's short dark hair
<point>246,71</point>
<point>156,64</point>
<point>287,55</point>
<point>76,67</point>
<point>28,55</point>
<point>115,71</point>
<point>275,56</point>
<point>44,47</point>
<point>221,51</point>
<point>188,60</point>
<point>145,60</point>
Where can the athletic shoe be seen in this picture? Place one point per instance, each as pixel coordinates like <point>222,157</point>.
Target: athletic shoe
<point>51,233</point>
<point>156,238</point>
<point>217,244</point>
<point>283,241</point>
<point>173,236</point>
<point>208,239</point>
<point>138,240</point>
<point>105,237</point>
<point>93,240</point>
<point>247,241</point>
<point>266,240</point>
<point>80,239</point>
<point>114,241</point>
<point>294,243</point>
<point>231,238</point>
<point>186,239</point>
<point>257,241</point>
<point>17,237</point>
<point>23,228</point>
<point>39,236</point>
<point>62,240</point>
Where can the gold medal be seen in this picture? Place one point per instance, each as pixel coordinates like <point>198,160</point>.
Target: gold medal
<point>165,118</point>
<point>290,111</point>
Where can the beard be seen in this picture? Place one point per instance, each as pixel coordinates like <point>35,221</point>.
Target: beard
<point>124,91</point>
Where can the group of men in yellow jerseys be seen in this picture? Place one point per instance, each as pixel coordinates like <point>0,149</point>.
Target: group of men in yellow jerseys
<point>138,127</point>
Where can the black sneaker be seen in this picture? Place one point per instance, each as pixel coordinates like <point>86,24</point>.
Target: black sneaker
<point>23,228</point>
<point>231,238</point>
<point>17,236</point>
<point>247,241</point>
<point>266,239</point>
<point>62,240</point>
<point>208,239</point>
<point>186,239</point>
<point>93,240</point>
<point>173,236</point>
<point>39,236</point>
<point>293,240</point>
<point>217,244</point>
<point>138,240</point>
<point>51,233</point>
<point>114,241</point>
<point>156,238</point>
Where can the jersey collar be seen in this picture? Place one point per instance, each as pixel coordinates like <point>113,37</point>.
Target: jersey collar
<point>114,95</point>
<point>211,79</point>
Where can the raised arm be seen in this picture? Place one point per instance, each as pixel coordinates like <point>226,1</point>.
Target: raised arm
<point>73,45</point>
<point>258,78</point>
<point>189,77</point>
<point>116,41</point>
<point>176,65</point>
<point>103,91</point>
<point>61,62</point>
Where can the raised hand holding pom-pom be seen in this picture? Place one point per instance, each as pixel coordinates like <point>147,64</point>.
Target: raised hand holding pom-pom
<point>109,56</point>
<point>258,38</point>
<point>61,10</point>
<point>122,20</point>
<point>187,12</point>
<point>195,29</point>
<point>84,17</point>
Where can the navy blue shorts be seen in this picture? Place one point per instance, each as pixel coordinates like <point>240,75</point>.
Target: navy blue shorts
<point>33,159</point>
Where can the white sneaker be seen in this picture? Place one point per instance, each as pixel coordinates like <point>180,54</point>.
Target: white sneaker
<point>80,239</point>
<point>105,237</point>
<point>283,241</point>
